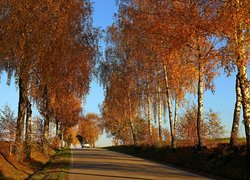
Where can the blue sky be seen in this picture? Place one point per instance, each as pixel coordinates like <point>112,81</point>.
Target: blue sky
<point>222,101</point>
<point>103,17</point>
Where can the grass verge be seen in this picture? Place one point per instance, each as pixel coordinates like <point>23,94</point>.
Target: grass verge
<point>56,168</point>
<point>215,162</point>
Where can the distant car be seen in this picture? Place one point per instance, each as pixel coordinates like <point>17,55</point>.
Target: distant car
<point>85,145</point>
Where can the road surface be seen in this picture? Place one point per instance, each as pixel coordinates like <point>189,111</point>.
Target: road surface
<point>100,164</point>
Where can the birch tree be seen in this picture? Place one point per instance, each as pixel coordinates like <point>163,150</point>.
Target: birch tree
<point>237,37</point>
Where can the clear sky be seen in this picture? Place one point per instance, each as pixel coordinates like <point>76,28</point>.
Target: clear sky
<point>222,101</point>
<point>103,17</point>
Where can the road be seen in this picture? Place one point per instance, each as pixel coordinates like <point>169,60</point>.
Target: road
<point>106,165</point>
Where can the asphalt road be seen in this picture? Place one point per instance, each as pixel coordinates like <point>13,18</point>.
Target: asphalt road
<point>103,164</point>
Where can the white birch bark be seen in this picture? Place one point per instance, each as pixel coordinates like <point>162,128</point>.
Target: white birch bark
<point>20,119</point>
<point>175,118</point>
<point>169,106</point>
<point>242,62</point>
<point>236,116</point>
<point>149,117</point>
<point>200,108</point>
<point>160,114</point>
<point>28,130</point>
<point>131,121</point>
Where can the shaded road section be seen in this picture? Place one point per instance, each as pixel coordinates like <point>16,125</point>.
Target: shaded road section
<point>103,164</point>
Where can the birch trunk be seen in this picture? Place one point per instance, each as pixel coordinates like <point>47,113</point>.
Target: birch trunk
<point>244,84</point>
<point>169,107</point>
<point>28,131</point>
<point>149,118</point>
<point>20,119</point>
<point>200,113</point>
<point>236,117</point>
<point>46,122</point>
<point>57,128</point>
<point>242,62</point>
<point>131,121</point>
<point>62,141</point>
<point>159,115</point>
<point>46,135</point>
<point>175,118</point>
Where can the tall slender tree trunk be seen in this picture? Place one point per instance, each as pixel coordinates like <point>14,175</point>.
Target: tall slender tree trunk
<point>131,121</point>
<point>57,128</point>
<point>20,119</point>
<point>57,143</point>
<point>149,117</point>
<point>159,115</point>
<point>200,113</point>
<point>170,113</point>
<point>46,134</point>
<point>116,142</point>
<point>244,84</point>
<point>242,63</point>
<point>28,130</point>
<point>46,122</point>
<point>62,137</point>
<point>236,117</point>
<point>175,117</point>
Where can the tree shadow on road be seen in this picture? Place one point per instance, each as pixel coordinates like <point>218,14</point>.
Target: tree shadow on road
<point>91,176</point>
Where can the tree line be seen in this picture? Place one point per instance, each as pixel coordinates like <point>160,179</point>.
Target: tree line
<point>50,49</point>
<point>159,52</point>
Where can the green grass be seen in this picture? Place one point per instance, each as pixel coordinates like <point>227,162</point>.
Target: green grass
<point>56,168</point>
<point>216,162</point>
